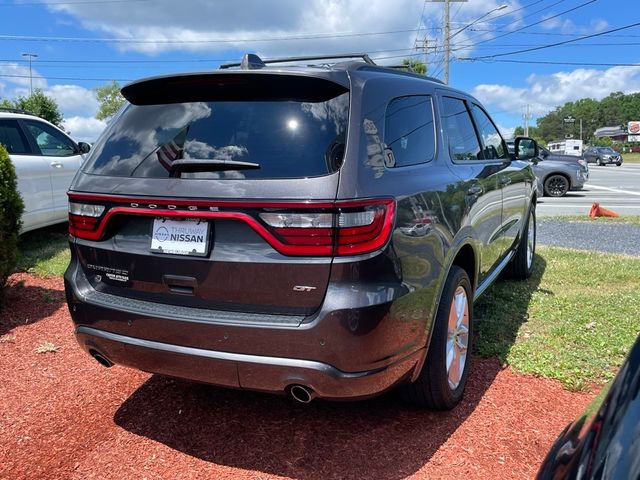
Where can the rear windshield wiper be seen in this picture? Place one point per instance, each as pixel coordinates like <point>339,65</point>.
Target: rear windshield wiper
<point>209,165</point>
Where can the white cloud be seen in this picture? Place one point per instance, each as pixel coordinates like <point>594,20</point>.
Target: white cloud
<point>545,92</point>
<point>19,75</point>
<point>232,22</point>
<point>74,100</point>
<point>569,26</point>
<point>86,129</point>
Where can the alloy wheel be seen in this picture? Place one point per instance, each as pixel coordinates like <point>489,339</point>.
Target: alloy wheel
<point>457,337</point>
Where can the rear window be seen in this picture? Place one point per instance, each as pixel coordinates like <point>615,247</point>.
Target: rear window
<point>286,138</point>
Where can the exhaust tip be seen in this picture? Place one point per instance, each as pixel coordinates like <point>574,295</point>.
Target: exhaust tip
<point>301,394</point>
<point>101,359</point>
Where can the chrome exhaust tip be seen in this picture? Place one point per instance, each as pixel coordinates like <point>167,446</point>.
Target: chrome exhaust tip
<point>302,394</point>
<point>101,359</point>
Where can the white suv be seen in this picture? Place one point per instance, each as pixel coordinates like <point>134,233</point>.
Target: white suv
<point>46,160</point>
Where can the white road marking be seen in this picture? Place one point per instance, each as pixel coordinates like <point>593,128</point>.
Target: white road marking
<point>628,192</point>
<point>583,205</point>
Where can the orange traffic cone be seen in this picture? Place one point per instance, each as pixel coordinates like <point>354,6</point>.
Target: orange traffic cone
<point>598,211</point>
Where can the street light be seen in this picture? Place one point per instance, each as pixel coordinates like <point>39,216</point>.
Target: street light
<point>31,56</point>
<point>447,37</point>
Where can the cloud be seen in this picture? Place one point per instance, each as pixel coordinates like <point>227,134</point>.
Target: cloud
<point>86,129</point>
<point>167,28</point>
<point>19,75</point>
<point>568,26</point>
<point>74,100</point>
<point>545,92</point>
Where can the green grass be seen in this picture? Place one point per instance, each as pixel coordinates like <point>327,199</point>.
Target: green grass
<point>573,321</point>
<point>631,157</point>
<point>629,219</point>
<point>44,252</point>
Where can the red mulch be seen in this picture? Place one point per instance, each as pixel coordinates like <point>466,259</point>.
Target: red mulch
<point>64,416</point>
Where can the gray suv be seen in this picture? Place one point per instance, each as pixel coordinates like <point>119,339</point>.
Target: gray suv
<point>308,230</point>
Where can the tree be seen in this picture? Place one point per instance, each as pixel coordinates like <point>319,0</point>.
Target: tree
<point>41,105</point>
<point>110,100</point>
<point>415,65</point>
<point>6,104</point>
<point>11,208</point>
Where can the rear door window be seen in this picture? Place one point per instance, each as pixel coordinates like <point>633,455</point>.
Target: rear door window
<point>409,130</point>
<point>286,138</point>
<point>461,134</point>
<point>13,139</point>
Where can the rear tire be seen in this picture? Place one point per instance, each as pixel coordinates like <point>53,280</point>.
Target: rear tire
<point>440,384</point>
<point>521,265</point>
<point>619,164</point>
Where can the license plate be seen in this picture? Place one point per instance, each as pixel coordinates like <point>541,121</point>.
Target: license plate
<point>180,237</point>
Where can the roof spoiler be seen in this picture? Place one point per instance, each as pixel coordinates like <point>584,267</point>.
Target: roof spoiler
<point>251,61</point>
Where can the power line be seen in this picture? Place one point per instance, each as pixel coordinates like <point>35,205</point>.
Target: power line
<point>538,22</point>
<point>557,44</point>
<point>549,62</point>
<point>70,78</point>
<point>28,38</point>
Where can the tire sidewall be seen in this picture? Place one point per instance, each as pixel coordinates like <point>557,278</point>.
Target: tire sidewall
<point>548,191</point>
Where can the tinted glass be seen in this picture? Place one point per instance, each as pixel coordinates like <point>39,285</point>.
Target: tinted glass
<point>288,139</point>
<point>607,150</point>
<point>463,141</point>
<point>12,137</point>
<point>50,141</point>
<point>492,141</point>
<point>408,131</point>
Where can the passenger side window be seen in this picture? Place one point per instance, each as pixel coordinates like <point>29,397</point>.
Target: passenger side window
<point>463,141</point>
<point>494,147</point>
<point>51,142</point>
<point>409,131</point>
<point>12,138</point>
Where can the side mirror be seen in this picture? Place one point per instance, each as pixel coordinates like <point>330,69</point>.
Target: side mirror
<point>84,147</point>
<point>525,148</point>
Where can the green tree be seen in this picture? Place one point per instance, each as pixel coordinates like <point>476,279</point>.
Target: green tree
<point>6,104</point>
<point>41,105</point>
<point>415,65</point>
<point>11,208</point>
<point>110,100</point>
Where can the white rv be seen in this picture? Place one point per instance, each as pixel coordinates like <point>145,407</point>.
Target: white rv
<point>566,147</point>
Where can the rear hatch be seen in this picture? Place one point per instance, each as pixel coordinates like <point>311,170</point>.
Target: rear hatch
<point>218,191</point>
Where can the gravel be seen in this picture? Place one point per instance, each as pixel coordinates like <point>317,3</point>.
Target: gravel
<point>619,238</point>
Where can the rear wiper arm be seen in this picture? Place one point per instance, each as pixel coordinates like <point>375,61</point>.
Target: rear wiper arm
<point>209,165</point>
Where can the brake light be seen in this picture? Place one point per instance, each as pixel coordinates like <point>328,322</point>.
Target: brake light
<point>349,227</point>
<point>84,218</point>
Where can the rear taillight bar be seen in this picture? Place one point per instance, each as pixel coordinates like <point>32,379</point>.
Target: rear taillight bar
<point>345,227</point>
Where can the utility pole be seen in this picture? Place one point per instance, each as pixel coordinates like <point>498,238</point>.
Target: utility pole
<point>447,41</point>
<point>527,116</point>
<point>31,56</point>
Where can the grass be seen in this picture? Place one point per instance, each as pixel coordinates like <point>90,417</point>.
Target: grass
<point>631,157</point>
<point>46,347</point>
<point>44,252</point>
<point>573,321</point>
<point>628,219</point>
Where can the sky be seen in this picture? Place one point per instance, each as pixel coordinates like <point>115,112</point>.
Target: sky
<point>83,44</point>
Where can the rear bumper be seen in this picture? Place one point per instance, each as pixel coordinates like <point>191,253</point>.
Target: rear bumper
<point>359,344</point>
<point>253,372</point>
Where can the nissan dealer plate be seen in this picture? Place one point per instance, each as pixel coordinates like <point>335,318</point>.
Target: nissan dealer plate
<point>180,237</point>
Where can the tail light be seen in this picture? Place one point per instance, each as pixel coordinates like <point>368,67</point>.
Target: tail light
<point>302,229</point>
<point>84,218</point>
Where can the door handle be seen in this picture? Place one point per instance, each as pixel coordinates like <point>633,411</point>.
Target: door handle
<point>504,181</point>
<point>56,164</point>
<point>474,190</point>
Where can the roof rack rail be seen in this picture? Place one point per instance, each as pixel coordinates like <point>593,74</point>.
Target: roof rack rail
<point>251,61</point>
<point>16,110</point>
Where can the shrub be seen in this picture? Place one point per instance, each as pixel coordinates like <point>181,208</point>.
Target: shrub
<point>11,208</point>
